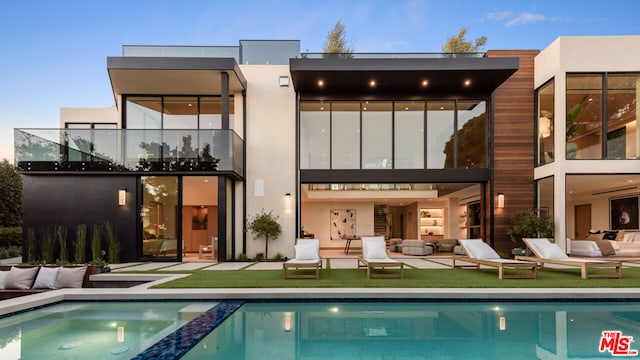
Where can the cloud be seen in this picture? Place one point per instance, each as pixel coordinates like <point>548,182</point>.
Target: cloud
<point>499,15</point>
<point>526,18</point>
<point>510,19</point>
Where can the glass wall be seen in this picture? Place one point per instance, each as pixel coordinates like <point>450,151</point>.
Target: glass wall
<point>544,188</point>
<point>544,100</point>
<point>623,107</point>
<point>391,134</point>
<point>440,134</point>
<point>159,216</point>
<point>314,135</point>
<point>584,116</point>
<point>211,113</point>
<point>376,128</point>
<point>472,134</point>
<point>345,135</point>
<point>409,135</point>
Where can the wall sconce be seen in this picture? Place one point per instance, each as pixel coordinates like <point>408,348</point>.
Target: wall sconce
<point>122,197</point>
<point>500,200</point>
<point>287,202</point>
<point>288,321</point>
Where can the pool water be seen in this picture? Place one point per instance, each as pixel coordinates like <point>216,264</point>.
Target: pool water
<point>416,330</point>
<point>93,330</point>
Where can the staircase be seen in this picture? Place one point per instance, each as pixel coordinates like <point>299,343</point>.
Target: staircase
<point>381,227</point>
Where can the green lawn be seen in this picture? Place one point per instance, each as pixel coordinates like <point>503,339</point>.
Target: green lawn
<point>414,278</point>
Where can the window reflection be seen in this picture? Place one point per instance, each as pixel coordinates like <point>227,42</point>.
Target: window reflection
<point>314,135</point>
<point>545,123</point>
<point>584,116</point>
<point>345,135</point>
<point>440,136</point>
<point>409,135</point>
<point>159,204</point>
<point>472,120</point>
<point>376,135</point>
<point>623,97</point>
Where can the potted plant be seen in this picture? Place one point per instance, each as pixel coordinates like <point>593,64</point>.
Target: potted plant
<point>265,224</point>
<point>530,224</point>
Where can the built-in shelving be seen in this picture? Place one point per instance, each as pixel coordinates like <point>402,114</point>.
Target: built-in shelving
<point>431,222</point>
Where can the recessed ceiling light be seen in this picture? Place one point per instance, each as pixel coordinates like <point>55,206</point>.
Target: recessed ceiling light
<point>322,108</point>
<point>406,108</point>
<point>441,107</point>
<point>629,181</point>
<point>190,105</point>
<point>320,83</point>
<point>425,83</point>
<point>467,82</point>
<point>365,109</point>
<point>372,83</point>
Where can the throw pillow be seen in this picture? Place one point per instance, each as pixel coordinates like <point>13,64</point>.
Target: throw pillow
<point>597,236</point>
<point>46,278</point>
<point>3,275</point>
<point>620,236</point>
<point>376,250</point>
<point>609,235</point>
<point>20,278</point>
<point>71,277</point>
<point>306,251</point>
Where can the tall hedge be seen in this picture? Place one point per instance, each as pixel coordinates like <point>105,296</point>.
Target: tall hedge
<point>10,195</point>
<point>10,236</point>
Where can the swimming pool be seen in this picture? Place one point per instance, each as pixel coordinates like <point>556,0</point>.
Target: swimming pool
<point>323,329</point>
<point>93,330</point>
<point>419,330</point>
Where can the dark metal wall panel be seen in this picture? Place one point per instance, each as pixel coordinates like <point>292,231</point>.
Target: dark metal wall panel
<point>71,200</point>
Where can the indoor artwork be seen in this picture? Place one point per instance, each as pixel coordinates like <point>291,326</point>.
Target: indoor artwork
<point>342,223</point>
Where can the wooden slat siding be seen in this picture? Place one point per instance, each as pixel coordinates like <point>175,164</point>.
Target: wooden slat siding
<point>513,145</point>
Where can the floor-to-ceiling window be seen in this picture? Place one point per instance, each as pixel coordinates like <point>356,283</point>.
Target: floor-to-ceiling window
<point>544,102</point>
<point>472,134</point>
<point>391,134</point>
<point>408,133</point>
<point>345,135</point>
<point>623,107</point>
<point>376,128</point>
<point>159,216</point>
<point>584,116</point>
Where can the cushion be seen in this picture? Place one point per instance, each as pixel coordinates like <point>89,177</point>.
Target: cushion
<point>620,235</point>
<point>71,277</point>
<point>20,278</point>
<point>553,252</point>
<point>3,275</point>
<point>306,251</point>
<point>480,250</point>
<point>597,236</point>
<point>610,235</point>
<point>46,278</point>
<point>376,250</point>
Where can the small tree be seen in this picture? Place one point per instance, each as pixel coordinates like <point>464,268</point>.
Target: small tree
<point>265,224</point>
<point>10,195</point>
<point>530,224</point>
<point>458,44</point>
<point>336,42</point>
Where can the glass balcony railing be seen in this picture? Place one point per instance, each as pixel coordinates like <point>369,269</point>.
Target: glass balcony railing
<point>128,150</point>
<point>309,55</point>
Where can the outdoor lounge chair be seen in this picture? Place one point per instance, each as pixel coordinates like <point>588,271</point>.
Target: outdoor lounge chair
<point>307,258</point>
<point>374,257</point>
<point>548,253</point>
<point>480,253</point>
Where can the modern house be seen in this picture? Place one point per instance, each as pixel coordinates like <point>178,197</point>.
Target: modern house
<point>339,145</point>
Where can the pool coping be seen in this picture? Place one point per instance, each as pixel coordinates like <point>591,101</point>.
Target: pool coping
<point>144,292</point>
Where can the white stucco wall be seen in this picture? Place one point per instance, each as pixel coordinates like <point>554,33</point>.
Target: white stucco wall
<point>270,152</point>
<point>89,115</point>
<point>575,54</point>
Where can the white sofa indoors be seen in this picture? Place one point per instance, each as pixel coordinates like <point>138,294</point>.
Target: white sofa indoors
<point>626,246</point>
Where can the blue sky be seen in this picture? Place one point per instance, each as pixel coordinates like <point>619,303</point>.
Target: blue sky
<point>54,52</point>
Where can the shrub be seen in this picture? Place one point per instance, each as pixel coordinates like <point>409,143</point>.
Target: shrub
<point>48,246</point>
<point>61,236</point>
<point>32,256</point>
<point>80,250</point>
<point>10,236</point>
<point>112,243</point>
<point>259,257</point>
<point>243,257</point>
<point>96,245</point>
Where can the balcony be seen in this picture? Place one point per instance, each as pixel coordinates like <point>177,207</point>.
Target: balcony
<point>126,150</point>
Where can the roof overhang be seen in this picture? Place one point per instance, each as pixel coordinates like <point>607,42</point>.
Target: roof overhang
<point>443,76</point>
<point>173,75</point>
